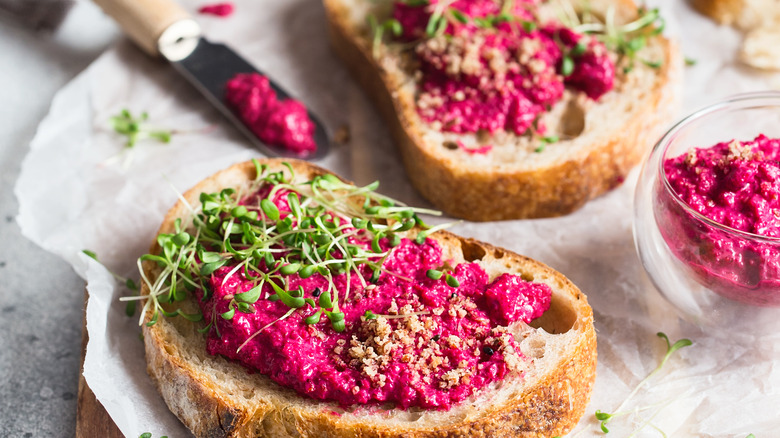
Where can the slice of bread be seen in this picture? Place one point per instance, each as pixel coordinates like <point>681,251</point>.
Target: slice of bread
<point>742,14</point>
<point>215,397</point>
<point>602,140</point>
<point>760,22</point>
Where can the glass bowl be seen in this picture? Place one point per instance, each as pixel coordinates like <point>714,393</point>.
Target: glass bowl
<point>712,273</point>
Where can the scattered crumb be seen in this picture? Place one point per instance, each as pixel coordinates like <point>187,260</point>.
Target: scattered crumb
<point>342,135</point>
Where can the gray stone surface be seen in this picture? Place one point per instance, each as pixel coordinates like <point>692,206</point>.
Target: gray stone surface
<point>41,298</point>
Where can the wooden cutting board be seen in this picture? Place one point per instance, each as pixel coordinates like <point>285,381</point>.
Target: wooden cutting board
<point>92,420</point>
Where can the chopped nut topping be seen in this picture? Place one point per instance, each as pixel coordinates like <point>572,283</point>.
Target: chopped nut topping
<point>691,158</point>
<point>740,151</point>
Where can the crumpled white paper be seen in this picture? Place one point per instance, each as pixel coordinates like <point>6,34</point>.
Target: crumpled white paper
<point>75,193</point>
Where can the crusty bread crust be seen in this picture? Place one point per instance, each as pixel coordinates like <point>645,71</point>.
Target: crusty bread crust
<point>507,190</point>
<point>722,11</point>
<point>746,15</point>
<point>216,398</point>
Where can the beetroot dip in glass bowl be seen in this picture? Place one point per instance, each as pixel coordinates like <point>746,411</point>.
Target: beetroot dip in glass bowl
<point>707,211</point>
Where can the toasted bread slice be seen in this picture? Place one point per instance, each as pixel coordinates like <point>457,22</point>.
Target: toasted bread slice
<point>743,14</point>
<point>215,397</point>
<point>602,140</point>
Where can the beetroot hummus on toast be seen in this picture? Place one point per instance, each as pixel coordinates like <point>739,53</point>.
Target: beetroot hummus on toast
<point>494,68</point>
<point>282,301</point>
<point>512,109</point>
<point>736,186</point>
<point>340,307</point>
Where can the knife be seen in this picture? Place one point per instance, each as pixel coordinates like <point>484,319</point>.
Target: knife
<point>162,28</point>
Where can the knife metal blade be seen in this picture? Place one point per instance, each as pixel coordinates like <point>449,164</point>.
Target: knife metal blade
<point>161,27</point>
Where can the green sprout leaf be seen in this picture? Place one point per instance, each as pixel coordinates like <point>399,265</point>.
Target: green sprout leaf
<point>460,16</point>
<point>251,296</point>
<point>580,48</point>
<point>135,129</point>
<point>451,281</point>
<point>270,209</point>
<point>433,274</point>
<point>567,66</point>
<point>325,300</point>
<point>229,314</point>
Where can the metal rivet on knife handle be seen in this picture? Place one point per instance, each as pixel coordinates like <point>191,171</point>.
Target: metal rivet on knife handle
<point>144,21</point>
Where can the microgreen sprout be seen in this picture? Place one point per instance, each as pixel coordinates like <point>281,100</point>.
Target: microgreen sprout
<point>451,281</point>
<point>434,274</point>
<point>544,141</point>
<point>135,130</point>
<point>438,20</point>
<point>378,31</point>
<point>605,417</point>
<point>567,66</point>
<point>690,61</point>
<point>129,283</point>
<point>529,26</point>
<point>626,39</point>
<point>320,231</point>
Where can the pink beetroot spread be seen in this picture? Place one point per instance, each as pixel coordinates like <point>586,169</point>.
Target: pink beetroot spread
<point>499,76</point>
<point>224,9</point>
<point>736,184</point>
<point>283,123</point>
<point>431,345</point>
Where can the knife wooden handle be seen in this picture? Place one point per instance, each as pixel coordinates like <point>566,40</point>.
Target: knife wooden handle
<point>144,21</point>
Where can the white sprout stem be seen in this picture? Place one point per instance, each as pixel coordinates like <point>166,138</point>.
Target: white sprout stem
<point>439,227</point>
<point>281,318</point>
<point>407,279</point>
<point>661,406</point>
<point>590,28</point>
<point>610,22</point>
<point>233,271</point>
<point>640,22</point>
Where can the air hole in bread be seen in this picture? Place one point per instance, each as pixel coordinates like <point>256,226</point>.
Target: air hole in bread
<point>472,251</point>
<point>527,277</point>
<point>533,347</point>
<point>573,120</point>
<point>451,145</point>
<point>415,414</point>
<point>498,254</point>
<point>559,318</point>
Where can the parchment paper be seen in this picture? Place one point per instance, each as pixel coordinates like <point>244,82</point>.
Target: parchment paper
<point>76,191</point>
